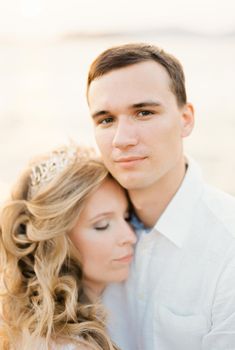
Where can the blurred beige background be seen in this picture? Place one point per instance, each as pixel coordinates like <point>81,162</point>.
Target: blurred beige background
<point>46,47</point>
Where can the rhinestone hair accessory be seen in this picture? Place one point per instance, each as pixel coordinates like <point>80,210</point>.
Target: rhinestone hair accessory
<point>47,170</point>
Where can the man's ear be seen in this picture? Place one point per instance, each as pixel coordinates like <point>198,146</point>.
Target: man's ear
<point>187,119</point>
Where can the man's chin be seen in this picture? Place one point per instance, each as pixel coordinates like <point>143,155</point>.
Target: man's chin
<point>129,182</point>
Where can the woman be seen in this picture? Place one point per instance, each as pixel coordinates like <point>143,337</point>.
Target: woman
<point>64,236</point>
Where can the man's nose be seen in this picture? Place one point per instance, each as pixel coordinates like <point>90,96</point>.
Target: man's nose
<point>125,134</point>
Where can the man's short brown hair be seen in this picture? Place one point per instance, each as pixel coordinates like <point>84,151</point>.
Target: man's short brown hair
<point>129,54</point>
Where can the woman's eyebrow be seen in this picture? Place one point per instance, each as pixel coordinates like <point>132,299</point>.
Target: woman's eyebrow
<point>100,216</point>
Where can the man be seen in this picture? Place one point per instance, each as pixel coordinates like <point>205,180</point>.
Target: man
<point>181,292</point>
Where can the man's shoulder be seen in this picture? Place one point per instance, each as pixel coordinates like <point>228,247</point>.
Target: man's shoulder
<point>222,207</point>
<point>219,201</point>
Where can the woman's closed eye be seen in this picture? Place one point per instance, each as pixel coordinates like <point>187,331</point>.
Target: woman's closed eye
<point>101,225</point>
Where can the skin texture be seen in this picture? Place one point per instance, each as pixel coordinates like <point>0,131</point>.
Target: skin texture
<point>139,129</point>
<point>104,237</point>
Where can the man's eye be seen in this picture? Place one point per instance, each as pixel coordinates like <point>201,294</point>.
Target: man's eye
<point>106,121</point>
<point>101,226</point>
<point>144,113</point>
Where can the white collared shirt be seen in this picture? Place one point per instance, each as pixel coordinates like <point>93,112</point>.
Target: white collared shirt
<point>181,291</point>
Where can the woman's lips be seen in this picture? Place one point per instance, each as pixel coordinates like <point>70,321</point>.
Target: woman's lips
<point>125,259</point>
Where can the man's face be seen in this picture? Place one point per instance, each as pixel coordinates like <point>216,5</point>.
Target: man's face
<point>138,125</point>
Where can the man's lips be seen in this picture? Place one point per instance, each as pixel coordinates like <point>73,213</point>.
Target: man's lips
<point>129,159</point>
<point>130,162</point>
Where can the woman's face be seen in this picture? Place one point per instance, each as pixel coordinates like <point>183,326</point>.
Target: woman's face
<point>104,237</point>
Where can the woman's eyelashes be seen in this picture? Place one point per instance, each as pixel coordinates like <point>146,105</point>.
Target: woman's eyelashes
<point>104,224</point>
<point>101,225</point>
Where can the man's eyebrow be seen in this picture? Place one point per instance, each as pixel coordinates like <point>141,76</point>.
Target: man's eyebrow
<point>99,113</point>
<point>135,105</point>
<point>146,104</point>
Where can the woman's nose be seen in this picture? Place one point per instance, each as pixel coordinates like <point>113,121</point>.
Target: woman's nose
<point>128,234</point>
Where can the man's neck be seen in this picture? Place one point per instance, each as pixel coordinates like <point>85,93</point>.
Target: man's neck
<point>150,202</point>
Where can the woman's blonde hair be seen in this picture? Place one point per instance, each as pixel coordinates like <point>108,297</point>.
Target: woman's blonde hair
<point>42,297</point>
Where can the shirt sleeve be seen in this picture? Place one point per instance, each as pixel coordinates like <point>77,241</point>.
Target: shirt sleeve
<point>222,333</point>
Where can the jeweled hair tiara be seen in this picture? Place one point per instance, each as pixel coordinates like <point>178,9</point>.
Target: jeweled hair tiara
<point>47,170</point>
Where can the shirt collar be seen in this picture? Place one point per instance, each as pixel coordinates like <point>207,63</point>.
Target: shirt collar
<point>175,222</point>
